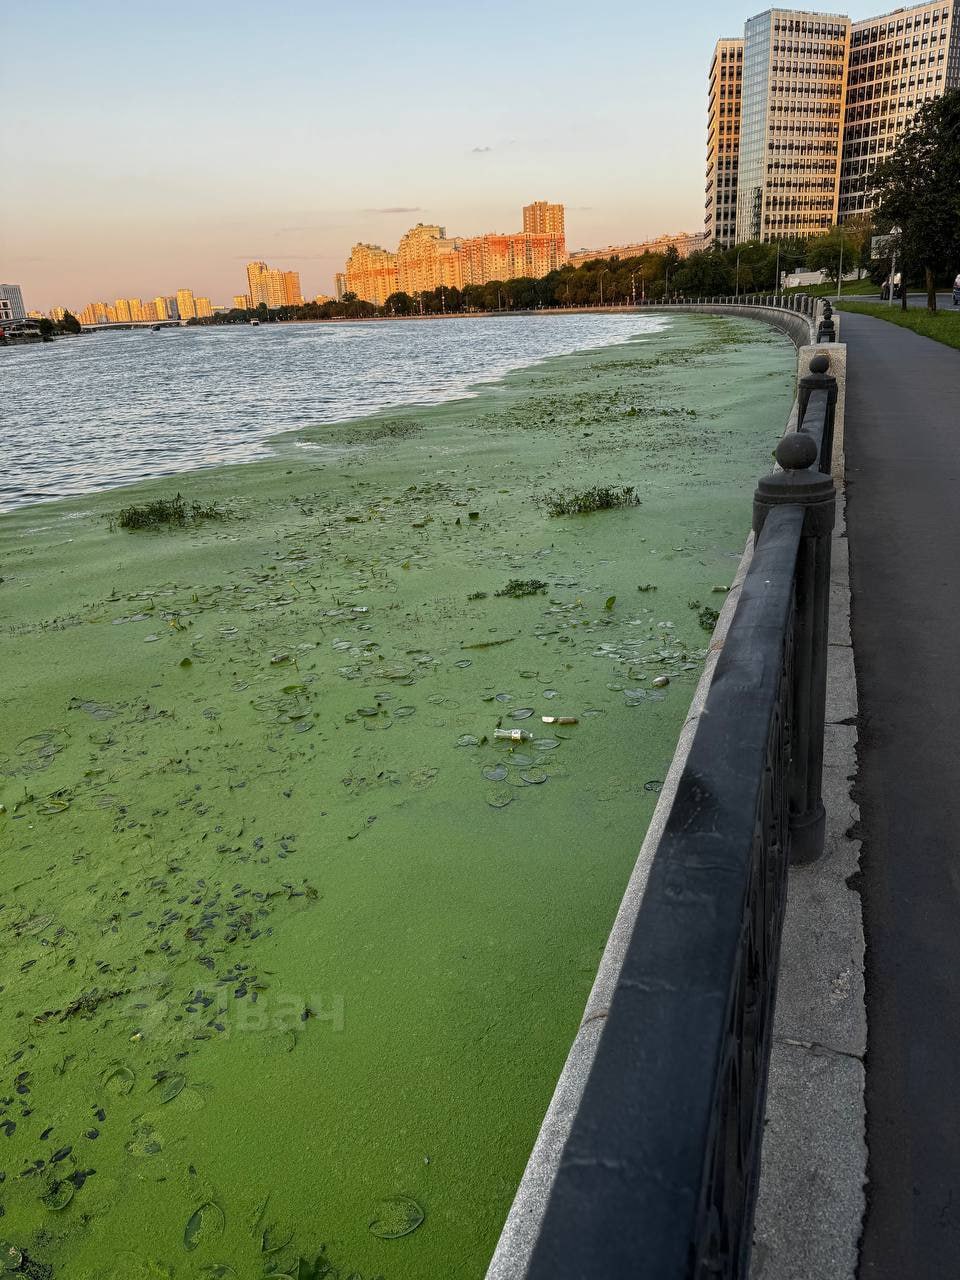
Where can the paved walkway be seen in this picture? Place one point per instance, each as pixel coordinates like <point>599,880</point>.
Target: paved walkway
<point>903,519</point>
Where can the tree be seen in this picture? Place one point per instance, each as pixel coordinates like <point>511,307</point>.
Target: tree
<point>399,304</point>
<point>704,274</point>
<point>47,328</point>
<point>829,253</point>
<point>917,189</point>
<point>69,323</point>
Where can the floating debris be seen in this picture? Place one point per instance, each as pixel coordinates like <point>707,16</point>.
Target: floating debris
<point>512,735</point>
<point>660,682</point>
<point>653,785</point>
<point>561,719</point>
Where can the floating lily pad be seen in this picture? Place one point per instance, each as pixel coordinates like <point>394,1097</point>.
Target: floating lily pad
<point>550,693</point>
<point>144,1143</point>
<point>10,1258</point>
<point>274,1239</point>
<point>119,1079</point>
<point>504,697</point>
<point>420,778</point>
<point>546,744</point>
<point>57,1194</point>
<point>534,776</point>
<point>468,740</point>
<point>496,773</point>
<point>170,1087</point>
<point>203,1226</point>
<point>654,785</point>
<point>500,798</point>
<point>521,713</point>
<point>464,662</point>
<point>368,711</point>
<point>395,1217</point>
<point>401,712</point>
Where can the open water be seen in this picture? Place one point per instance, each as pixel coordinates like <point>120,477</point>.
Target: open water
<point>111,408</point>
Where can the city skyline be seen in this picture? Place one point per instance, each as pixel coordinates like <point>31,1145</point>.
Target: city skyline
<point>284,160</point>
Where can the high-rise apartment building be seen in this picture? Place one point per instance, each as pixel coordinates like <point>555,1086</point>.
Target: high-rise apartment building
<point>723,142</point>
<point>371,274</point>
<point>241,301</point>
<point>897,63</point>
<point>340,285</point>
<point>293,297</point>
<point>11,303</point>
<point>186,304</point>
<point>543,219</point>
<point>821,102</point>
<point>791,124</point>
<point>272,287</point>
<point>204,308</point>
<point>162,308</point>
<point>427,259</point>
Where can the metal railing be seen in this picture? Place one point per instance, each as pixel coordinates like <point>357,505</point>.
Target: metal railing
<point>801,303</point>
<point>658,1176</point>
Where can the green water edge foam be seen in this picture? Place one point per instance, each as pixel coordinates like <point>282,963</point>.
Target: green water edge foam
<point>291,949</point>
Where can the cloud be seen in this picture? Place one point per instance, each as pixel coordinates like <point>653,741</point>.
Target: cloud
<point>396,208</point>
<point>479,151</point>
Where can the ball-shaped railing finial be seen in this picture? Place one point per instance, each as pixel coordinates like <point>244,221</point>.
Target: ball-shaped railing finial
<point>796,451</point>
<point>819,364</point>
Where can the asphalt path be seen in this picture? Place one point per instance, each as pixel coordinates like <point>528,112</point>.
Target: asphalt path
<point>903,517</point>
<point>944,303</point>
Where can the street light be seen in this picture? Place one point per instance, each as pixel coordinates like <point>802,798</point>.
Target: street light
<point>633,287</point>
<point>604,272</point>
<point>738,275</point>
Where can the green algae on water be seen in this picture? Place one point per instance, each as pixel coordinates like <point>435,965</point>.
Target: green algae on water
<point>255,953</point>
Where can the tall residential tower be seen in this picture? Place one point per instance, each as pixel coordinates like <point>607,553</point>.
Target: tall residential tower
<point>723,142</point>
<point>820,102</point>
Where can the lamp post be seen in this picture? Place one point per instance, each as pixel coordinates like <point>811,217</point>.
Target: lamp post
<point>604,272</point>
<point>840,268</point>
<point>633,287</point>
<point>738,275</point>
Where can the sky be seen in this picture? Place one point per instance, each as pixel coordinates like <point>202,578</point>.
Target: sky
<point>147,147</point>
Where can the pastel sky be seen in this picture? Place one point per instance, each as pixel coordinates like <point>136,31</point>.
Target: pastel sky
<point>147,147</point>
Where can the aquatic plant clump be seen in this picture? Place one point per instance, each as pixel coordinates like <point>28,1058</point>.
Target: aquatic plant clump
<point>599,498</point>
<point>516,588</point>
<point>166,511</point>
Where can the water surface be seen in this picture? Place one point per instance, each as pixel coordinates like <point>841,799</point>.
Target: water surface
<point>109,408</point>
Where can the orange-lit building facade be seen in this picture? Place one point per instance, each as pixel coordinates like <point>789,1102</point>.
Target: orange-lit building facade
<point>427,258</point>
<point>723,143</point>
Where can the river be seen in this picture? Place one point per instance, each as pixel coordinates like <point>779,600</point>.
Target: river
<point>110,408</point>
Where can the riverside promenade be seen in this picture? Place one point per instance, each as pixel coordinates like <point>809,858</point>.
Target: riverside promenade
<point>903,524</point>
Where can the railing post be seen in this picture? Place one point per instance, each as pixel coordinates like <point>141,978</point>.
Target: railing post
<point>800,484</point>
<point>826,332</point>
<point>819,379</point>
